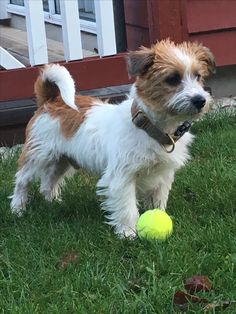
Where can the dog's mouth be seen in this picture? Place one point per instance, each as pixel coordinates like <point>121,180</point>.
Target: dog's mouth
<point>187,108</point>
<point>187,111</point>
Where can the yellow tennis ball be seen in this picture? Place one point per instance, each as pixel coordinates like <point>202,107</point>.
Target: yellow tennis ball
<point>154,224</point>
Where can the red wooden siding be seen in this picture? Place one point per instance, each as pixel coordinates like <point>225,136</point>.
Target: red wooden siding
<point>150,20</point>
<point>210,15</point>
<point>88,73</point>
<point>137,26</point>
<point>222,44</point>
<point>165,20</point>
<point>214,24</point>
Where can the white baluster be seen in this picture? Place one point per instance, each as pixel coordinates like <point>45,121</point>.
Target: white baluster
<point>71,30</point>
<point>105,27</point>
<point>36,34</point>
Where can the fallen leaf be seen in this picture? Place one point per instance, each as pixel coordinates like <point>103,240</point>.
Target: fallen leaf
<point>67,259</point>
<point>197,283</point>
<point>182,299</point>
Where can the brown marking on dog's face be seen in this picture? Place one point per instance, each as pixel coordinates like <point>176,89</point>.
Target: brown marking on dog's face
<point>162,71</point>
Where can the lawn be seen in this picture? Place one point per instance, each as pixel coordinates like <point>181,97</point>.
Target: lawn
<point>110,275</point>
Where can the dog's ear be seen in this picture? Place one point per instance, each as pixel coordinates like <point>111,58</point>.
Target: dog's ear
<point>209,59</point>
<point>139,61</point>
<point>205,56</point>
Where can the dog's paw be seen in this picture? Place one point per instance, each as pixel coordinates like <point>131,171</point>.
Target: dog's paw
<point>127,232</point>
<point>17,211</point>
<point>17,207</point>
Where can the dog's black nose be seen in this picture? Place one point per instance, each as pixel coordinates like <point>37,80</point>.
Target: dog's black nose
<point>198,101</point>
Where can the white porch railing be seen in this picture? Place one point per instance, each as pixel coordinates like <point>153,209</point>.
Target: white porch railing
<point>36,33</point>
<point>7,61</point>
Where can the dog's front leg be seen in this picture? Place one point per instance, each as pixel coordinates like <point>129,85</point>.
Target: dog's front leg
<point>120,203</point>
<point>160,193</point>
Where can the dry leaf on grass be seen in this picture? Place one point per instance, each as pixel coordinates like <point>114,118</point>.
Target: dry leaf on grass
<point>68,258</point>
<point>197,283</point>
<point>182,299</point>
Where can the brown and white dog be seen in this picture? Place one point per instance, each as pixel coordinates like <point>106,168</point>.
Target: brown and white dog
<point>134,147</point>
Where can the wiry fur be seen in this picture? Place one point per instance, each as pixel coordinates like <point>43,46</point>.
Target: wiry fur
<point>68,132</point>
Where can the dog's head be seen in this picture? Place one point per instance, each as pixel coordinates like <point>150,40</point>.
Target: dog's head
<point>170,77</point>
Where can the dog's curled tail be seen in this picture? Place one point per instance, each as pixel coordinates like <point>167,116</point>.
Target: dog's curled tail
<point>55,80</point>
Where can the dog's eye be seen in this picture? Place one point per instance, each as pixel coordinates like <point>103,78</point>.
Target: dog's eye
<point>173,79</point>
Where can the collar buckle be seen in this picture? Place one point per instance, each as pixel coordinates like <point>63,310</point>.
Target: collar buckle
<point>172,145</point>
<point>183,128</point>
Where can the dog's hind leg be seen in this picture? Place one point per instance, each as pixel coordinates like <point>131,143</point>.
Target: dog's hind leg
<point>160,193</point>
<point>53,177</point>
<point>23,177</point>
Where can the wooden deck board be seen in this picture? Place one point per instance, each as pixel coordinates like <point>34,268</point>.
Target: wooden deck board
<point>15,42</point>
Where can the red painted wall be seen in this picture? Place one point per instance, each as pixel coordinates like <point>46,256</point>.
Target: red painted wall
<point>137,26</point>
<point>89,73</point>
<point>212,22</point>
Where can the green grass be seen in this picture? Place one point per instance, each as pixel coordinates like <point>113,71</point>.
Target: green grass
<point>122,276</point>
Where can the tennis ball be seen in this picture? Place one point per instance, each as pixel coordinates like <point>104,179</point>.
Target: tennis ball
<point>154,224</point>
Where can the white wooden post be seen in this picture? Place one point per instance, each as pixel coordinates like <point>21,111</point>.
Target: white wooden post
<point>71,30</point>
<point>7,61</point>
<point>36,32</point>
<point>3,9</point>
<point>106,36</point>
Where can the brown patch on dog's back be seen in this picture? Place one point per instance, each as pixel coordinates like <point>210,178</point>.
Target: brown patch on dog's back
<point>70,119</point>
